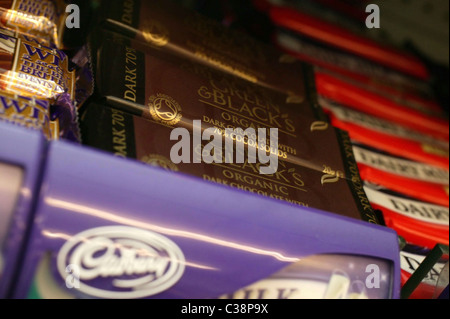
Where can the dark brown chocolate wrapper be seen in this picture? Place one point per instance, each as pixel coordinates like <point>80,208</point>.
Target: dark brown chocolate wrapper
<point>130,136</point>
<point>176,30</point>
<point>190,91</point>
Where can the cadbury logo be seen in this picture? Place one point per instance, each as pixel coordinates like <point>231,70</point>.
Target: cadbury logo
<point>122,262</point>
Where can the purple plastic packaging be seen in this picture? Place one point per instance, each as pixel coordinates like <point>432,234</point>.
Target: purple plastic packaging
<point>21,157</point>
<point>107,227</point>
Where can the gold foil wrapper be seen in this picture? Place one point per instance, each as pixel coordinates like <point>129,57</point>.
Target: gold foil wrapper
<point>42,19</point>
<point>28,68</point>
<point>29,113</point>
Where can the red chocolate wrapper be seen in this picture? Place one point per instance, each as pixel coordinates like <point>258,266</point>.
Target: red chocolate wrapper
<point>433,280</point>
<point>342,39</point>
<point>427,107</point>
<point>379,78</point>
<point>418,222</point>
<point>417,180</point>
<point>363,100</point>
<point>343,8</point>
<point>388,136</point>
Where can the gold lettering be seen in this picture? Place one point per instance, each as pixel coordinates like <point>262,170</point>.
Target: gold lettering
<point>127,15</point>
<point>355,179</point>
<point>435,150</point>
<point>130,75</point>
<point>119,134</point>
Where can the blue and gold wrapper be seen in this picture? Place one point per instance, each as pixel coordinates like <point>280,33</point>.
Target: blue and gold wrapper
<point>43,19</point>
<point>44,76</point>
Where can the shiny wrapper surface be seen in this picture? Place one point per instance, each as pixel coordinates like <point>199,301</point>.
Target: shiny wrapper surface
<point>36,72</point>
<point>44,19</point>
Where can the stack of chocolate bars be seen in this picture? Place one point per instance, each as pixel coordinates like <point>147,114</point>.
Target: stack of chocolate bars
<point>383,97</point>
<point>180,158</point>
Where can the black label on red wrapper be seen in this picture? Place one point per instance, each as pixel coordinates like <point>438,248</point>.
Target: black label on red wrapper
<point>403,205</point>
<point>383,126</point>
<point>434,281</point>
<point>422,181</point>
<point>398,166</point>
<point>385,135</point>
<point>382,78</point>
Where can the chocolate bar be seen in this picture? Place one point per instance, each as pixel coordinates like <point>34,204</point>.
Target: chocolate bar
<point>380,78</point>
<point>418,222</point>
<point>363,100</point>
<point>34,70</point>
<point>11,178</point>
<point>151,142</point>
<point>337,36</point>
<point>338,280</point>
<point>174,92</point>
<point>43,19</point>
<point>424,182</point>
<point>156,234</point>
<point>388,136</point>
<point>427,107</point>
<point>434,281</point>
<point>28,112</point>
<point>30,70</point>
<point>21,157</point>
<point>386,81</point>
<point>177,30</point>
